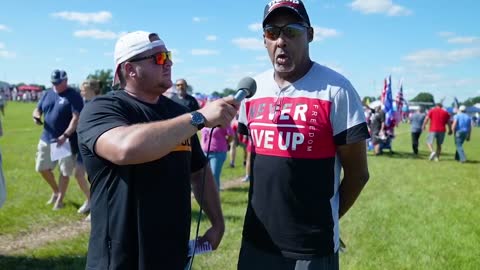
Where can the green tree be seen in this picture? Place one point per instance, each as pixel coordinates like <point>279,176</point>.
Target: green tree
<point>105,77</point>
<point>228,92</point>
<point>423,97</point>
<point>225,92</point>
<point>217,94</point>
<point>369,99</point>
<point>472,101</point>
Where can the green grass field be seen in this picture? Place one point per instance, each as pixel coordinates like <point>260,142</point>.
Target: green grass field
<point>413,213</point>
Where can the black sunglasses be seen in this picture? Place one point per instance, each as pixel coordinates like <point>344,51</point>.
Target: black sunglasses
<point>291,30</point>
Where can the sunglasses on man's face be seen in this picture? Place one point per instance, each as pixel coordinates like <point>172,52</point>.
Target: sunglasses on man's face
<point>160,58</point>
<point>292,30</point>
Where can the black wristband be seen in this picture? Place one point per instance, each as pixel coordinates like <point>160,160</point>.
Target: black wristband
<point>66,135</point>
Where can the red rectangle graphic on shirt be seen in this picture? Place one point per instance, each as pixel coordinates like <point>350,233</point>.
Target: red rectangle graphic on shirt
<point>296,127</point>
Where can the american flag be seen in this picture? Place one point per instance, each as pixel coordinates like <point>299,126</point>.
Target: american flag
<point>399,98</point>
<point>388,101</point>
<point>384,91</point>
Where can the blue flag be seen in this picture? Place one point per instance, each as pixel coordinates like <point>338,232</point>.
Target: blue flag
<point>388,102</point>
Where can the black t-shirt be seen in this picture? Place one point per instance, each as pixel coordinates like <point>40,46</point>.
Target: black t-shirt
<point>188,101</point>
<point>140,213</point>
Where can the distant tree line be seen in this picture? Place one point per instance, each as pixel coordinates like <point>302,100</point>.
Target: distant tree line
<point>106,78</point>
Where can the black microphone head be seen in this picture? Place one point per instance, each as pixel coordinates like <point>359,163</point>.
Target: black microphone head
<point>249,84</point>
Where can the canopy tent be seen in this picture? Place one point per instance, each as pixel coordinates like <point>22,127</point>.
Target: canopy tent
<point>4,85</point>
<point>374,104</point>
<point>29,88</point>
<point>473,109</point>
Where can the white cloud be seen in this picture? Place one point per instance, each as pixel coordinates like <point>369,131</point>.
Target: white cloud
<point>463,40</point>
<point>84,18</point>
<point>199,19</point>
<point>95,34</point>
<point>249,43</point>
<point>4,53</point>
<point>211,38</point>
<point>255,27</point>
<point>5,28</point>
<point>397,70</point>
<point>446,34</point>
<point>439,58</point>
<point>7,54</point>
<point>203,52</point>
<point>82,50</point>
<point>464,82</point>
<point>429,78</point>
<point>321,33</point>
<point>379,6</point>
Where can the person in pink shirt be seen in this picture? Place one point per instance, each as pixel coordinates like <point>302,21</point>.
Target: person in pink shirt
<point>438,118</point>
<point>217,153</point>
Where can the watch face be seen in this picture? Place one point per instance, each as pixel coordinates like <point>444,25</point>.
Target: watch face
<point>197,118</point>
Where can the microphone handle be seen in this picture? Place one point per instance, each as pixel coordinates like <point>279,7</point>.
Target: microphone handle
<point>240,95</point>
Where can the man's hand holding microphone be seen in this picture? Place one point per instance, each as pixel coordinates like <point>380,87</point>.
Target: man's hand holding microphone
<point>221,112</point>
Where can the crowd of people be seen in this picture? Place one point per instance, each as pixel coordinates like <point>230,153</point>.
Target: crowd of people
<point>439,121</point>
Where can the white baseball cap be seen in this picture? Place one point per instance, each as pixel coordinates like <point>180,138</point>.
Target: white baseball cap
<point>131,44</point>
<point>462,108</point>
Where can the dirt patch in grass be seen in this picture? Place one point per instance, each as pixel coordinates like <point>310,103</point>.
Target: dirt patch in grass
<point>17,244</point>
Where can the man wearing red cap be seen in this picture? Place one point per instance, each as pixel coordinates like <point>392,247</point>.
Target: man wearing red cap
<point>306,123</point>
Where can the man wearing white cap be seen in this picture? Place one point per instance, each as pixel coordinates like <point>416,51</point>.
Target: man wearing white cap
<point>461,128</point>
<point>142,155</point>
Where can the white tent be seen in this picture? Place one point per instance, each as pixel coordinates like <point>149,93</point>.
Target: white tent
<point>375,103</point>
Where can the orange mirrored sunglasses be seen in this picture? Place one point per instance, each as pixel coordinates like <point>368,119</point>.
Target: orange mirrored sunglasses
<point>160,58</point>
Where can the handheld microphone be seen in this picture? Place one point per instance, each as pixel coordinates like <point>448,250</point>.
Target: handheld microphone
<point>246,89</point>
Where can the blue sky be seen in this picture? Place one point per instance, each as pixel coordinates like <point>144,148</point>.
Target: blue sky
<point>433,46</point>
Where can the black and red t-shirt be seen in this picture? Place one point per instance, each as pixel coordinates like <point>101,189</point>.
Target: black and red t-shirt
<point>293,198</point>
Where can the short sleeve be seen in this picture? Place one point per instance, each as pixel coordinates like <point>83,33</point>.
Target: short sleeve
<point>230,131</point>
<point>99,116</point>
<point>347,117</point>
<point>77,103</point>
<point>242,119</point>
<point>40,102</point>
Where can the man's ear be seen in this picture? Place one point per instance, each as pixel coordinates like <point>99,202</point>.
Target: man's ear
<point>264,41</point>
<point>129,70</point>
<point>310,33</point>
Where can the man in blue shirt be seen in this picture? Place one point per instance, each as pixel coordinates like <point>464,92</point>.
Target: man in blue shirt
<point>462,127</point>
<point>416,122</point>
<point>60,107</point>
